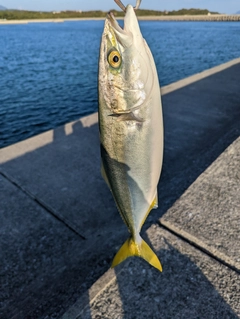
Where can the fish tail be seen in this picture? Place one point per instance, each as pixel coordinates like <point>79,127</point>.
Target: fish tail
<point>132,248</point>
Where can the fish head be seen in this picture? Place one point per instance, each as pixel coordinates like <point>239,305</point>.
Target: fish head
<point>125,65</point>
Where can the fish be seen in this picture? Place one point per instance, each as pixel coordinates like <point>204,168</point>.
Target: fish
<point>130,128</point>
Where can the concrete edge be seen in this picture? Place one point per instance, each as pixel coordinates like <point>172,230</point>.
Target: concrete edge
<point>93,292</point>
<point>194,241</point>
<point>197,77</point>
<point>33,143</point>
<point>210,249</point>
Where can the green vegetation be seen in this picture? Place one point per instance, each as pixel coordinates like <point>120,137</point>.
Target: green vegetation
<point>28,15</point>
<point>191,12</point>
<point>171,13</point>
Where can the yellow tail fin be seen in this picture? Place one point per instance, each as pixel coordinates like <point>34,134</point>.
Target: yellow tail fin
<point>131,248</point>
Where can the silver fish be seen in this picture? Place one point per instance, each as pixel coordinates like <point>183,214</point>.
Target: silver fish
<point>131,128</point>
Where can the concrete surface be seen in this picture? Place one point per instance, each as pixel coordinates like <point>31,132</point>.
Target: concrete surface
<point>197,77</point>
<point>71,154</point>
<point>208,213</point>
<point>43,263</point>
<point>192,285</point>
<point>36,252</point>
<point>58,174</point>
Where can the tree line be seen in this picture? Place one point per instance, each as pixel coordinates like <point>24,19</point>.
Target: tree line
<point>28,15</point>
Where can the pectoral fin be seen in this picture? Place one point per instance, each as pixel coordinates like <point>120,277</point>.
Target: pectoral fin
<point>130,117</point>
<point>127,117</point>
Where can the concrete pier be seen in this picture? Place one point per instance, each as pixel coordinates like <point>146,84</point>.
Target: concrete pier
<point>60,229</point>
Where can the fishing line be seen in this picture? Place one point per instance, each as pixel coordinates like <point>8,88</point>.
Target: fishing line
<point>122,6</point>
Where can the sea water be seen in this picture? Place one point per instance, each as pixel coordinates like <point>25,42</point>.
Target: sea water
<point>48,71</point>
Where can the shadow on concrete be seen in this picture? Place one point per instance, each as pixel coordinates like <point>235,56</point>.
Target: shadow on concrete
<point>182,290</point>
<point>63,183</point>
<point>63,177</point>
<point>201,121</point>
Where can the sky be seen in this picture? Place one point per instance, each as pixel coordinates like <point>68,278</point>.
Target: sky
<point>222,6</point>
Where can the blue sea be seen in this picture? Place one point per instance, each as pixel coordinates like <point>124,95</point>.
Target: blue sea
<point>48,71</point>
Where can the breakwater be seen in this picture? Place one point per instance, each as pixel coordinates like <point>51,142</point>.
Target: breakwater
<point>215,17</point>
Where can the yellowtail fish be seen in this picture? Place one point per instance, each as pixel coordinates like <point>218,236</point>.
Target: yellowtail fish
<point>131,128</point>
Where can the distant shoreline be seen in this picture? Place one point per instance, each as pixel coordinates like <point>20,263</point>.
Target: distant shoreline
<point>215,17</point>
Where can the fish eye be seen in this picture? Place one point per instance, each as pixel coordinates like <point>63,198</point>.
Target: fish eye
<point>114,59</point>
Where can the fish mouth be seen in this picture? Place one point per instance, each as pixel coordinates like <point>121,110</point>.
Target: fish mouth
<point>115,25</point>
<point>130,20</point>
<point>125,35</point>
